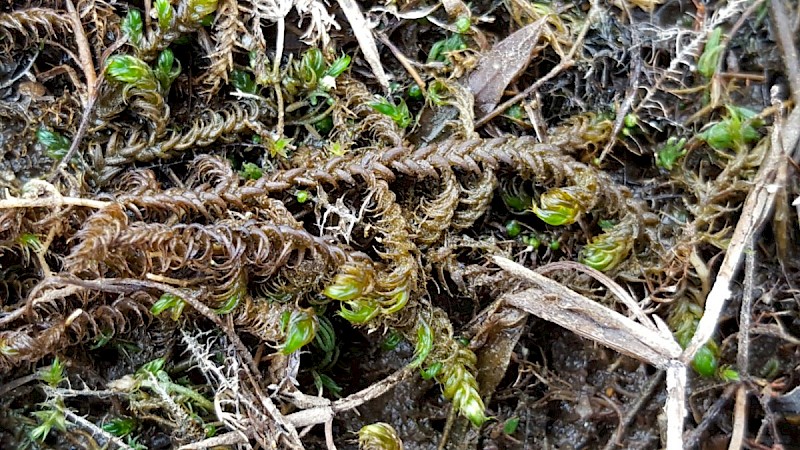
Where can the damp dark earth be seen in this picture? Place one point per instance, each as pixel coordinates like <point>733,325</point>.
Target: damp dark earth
<point>287,224</point>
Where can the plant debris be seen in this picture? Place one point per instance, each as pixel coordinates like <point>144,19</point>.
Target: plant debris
<point>300,224</point>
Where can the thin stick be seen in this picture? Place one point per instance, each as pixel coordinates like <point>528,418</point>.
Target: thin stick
<point>405,62</point>
<point>51,202</point>
<point>84,52</point>
<point>756,211</point>
<point>694,438</point>
<point>781,26</point>
<point>739,419</point>
<point>743,352</point>
<point>87,113</point>
<point>633,412</point>
<point>13,384</point>
<point>613,287</point>
<point>556,303</point>
<point>745,313</point>
<point>95,430</point>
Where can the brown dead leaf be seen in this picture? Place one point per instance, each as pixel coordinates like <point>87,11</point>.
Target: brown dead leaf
<point>502,65</point>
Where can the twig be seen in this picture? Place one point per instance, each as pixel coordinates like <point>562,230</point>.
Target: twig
<point>228,439</point>
<point>739,419</point>
<point>745,313</point>
<point>627,104</point>
<point>95,430</point>
<point>365,40</point>
<point>756,211</point>
<point>321,410</point>
<point>644,397</point>
<point>84,52</point>
<point>51,202</point>
<point>87,112</point>
<point>694,438</point>
<point>785,38</point>
<point>21,381</point>
<point>563,65</point>
<point>558,304</point>
<point>612,286</point>
<point>125,285</point>
<point>404,62</point>
<point>743,352</point>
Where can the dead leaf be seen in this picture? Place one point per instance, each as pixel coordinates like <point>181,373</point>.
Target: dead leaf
<point>502,65</point>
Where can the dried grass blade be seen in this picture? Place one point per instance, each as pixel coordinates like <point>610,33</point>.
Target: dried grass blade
<point>558,304</point>
<point>365,40</point>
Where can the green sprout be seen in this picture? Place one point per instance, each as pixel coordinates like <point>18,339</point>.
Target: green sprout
<point>280,147</point>
<point>391,341</point>
<point>440,49</point>
<point>336,148</point>
<point>322,382</point>
<point>200,9</point>
<point>630,120</point>
<point>398,113</point>
<point>605,224</point>
<point>152,367</point>
<point>414,91</point>
<point>735,131</point>
<point>131,71</point>
<point>728,374</point>
<point>684,319</point>
<point>360,311</point>
<point>463,23</point>
<point>133,27</point>
<point>52,374</point>
<point>164,13</point>
<point>302,196</point>
<point>705,362</point>
<point>531,241</point>
<point>345,287</point>
<point>515,112</point>
<point>120,427</point>
<point>243,82</point>
<point>325,337</point>
<point>133,442</point>
<point>431,371</point>
<point>560,206</point>
<point>379,436</point>
<point>607,250</point>
<point>424,343</point>
<point>153,376</point>
<point>438,92</point>
<point>251,171</point>
<point>30,241</point>
<point>230,304</point>
<point>518,202</point>
<point>167,70</point>
<point>460,387</point>
<point>300,326</point>
<point>510,425</point>
<point>51,416</point>
<point>338,67</point>
<point>673,150</point>
<point>57,145</point>
<point>709,60</point>
<point>513,228</point>
<point>168,302</point>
